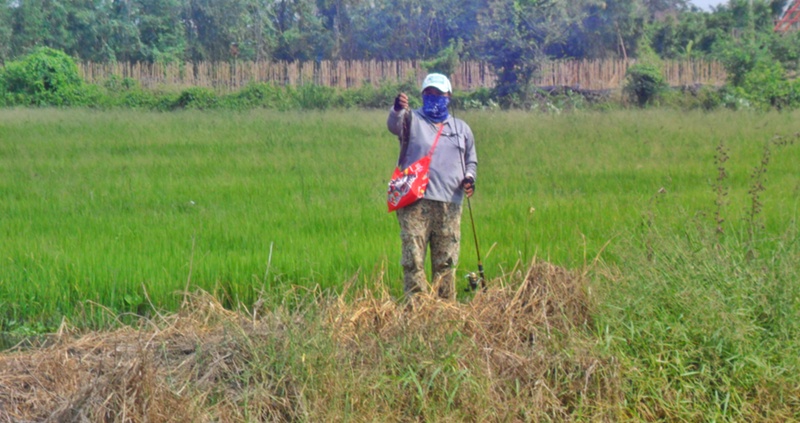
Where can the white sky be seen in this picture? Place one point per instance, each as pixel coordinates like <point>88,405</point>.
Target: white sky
<point>706,4</point>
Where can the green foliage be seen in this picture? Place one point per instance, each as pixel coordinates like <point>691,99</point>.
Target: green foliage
<point>46,77</point>
<point>517,40</point>
<point>381,97</point>
<point>756,78</point>
<point>703,309</point>
<point>481,98</point>
<point>312,96</point>
<point>447,61</point>
<point>644,84</point>
<point>740,59</point>
<point>127,93</point>
<point>612,29</point>
<point>257,95</point>
<point>766,86</point>
<point>142,100</point>
<point>786,49</point>
<point>116,84</point>
<point>196,98</point>
<point>692,317</point>
<point>5,34</point>
<point>694,98</point>
<point>515,37</point>
<point>761,83</point>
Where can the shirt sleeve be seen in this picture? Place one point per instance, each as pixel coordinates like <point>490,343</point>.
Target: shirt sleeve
<point>395,120</point>
<point>470,154</point>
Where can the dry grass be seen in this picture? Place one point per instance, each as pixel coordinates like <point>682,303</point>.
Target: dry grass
<point>519,351</point>
<point>527,340</point>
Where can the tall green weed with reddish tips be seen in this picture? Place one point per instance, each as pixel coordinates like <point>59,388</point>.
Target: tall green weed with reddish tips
<point>712,317</point>
<point>720,188</point>
<point>753,220</point>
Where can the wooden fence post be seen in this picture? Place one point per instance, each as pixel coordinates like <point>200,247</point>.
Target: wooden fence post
<point>471,75</point>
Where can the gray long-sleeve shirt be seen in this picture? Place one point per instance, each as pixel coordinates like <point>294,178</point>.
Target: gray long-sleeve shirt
<point>453,159</point>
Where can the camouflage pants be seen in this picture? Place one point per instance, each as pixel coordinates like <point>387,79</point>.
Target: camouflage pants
<point>438,224</point>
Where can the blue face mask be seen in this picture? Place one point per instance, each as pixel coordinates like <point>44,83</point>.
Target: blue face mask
<point>435,107</point>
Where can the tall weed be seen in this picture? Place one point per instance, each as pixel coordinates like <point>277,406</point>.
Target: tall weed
<point>707,323</point>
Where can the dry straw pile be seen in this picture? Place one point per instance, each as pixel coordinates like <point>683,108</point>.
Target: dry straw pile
<point>520,351</point>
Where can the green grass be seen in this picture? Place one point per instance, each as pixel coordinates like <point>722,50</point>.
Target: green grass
<point>120,209</point>
<point>683,322</point>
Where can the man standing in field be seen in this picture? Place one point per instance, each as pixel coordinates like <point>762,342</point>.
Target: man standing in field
<point>435,219</point>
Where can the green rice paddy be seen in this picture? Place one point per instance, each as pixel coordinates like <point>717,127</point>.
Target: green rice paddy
<point>122,211</point>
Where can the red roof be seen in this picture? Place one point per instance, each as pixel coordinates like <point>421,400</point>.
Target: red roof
<point>790,19</point>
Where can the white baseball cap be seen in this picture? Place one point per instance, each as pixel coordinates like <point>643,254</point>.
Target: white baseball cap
<point>438,81</point>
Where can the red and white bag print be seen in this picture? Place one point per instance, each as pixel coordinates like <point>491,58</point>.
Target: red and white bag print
<point>408,185</point>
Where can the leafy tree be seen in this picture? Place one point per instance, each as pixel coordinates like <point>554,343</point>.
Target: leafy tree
<point>610,29</point>
<point>5,30</point>
<point>161,33</point>
<point>514,36</point>
<point>665,6</point>
<point>299,31</point>
<point>258,41</point>
<point>336,21</point>
<point>412,29</point>
<point>786,49</point>
<point>76,27</point>
<point>447,61</point>
<point>221,31</point>
<point>766,86</point>
<point>519,33</point>
<point>215,29</point>
<point>28,26</point>
<point>99,34</point>
<point>391,30</point>
<point>683,36</point>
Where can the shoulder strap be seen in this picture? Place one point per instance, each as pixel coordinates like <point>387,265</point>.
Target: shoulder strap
<point>404,136</point>
<point>436,141</point>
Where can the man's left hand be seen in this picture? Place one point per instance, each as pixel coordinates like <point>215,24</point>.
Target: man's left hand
<point>469,185</point>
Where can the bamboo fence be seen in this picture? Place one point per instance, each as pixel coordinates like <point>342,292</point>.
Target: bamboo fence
<point>228,76</point>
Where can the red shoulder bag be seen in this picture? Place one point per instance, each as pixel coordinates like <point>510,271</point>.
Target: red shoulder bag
<point>408,185</point>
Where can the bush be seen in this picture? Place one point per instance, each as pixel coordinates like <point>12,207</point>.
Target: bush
<point>196,98</point>
<point>739,61</point>
<point>693,97</point>
<point>117,84</point>
<point>480,98</point>
<point>256,95</point>
<point>312,96</point>
<point>381,97</point>
<point>145,100</point>
<point>644,84</point>
<point>358,97</point>
<point>766,86</point>
<point>46,77</point>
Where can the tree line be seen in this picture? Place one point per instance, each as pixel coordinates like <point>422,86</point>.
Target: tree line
<point>515,37</point>
<point>503,32</point>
